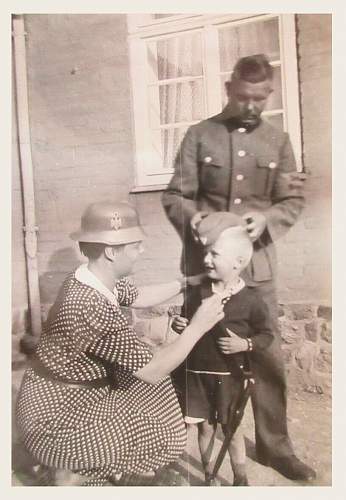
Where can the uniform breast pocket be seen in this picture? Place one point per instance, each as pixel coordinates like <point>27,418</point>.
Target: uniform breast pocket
<point>265,174</point>
<point>214,175</point>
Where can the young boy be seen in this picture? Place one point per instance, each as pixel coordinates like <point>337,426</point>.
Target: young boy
<point>210,378</point>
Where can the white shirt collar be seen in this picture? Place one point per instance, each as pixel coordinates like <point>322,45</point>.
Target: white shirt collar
<point>229,289</point>
<point>85,276</point>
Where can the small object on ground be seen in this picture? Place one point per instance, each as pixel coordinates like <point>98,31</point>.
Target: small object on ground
<point>314,389</point>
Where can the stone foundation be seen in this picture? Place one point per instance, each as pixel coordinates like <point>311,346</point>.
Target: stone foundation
<point>306,333</point>
<point>305,330</point>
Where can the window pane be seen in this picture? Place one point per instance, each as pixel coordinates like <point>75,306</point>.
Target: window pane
<point>175,57</point>
<point>275,98</point>
<point>177,102</point>
<point>170,141</point>
<point>261,37</point>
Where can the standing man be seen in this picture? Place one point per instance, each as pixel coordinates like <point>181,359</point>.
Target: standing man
<point>237,162</point>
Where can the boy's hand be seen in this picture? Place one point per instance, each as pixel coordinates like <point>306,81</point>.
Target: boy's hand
<point>179,324</point>
<point>232,344</point>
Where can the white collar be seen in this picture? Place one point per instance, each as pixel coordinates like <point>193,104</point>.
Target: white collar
<point>85,276</point>
<point>229,289</point>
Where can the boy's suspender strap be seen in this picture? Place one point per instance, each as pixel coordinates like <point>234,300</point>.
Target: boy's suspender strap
<point>235,414</point>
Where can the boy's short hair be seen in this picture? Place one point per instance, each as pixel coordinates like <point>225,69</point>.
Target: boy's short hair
<point>238,236</point>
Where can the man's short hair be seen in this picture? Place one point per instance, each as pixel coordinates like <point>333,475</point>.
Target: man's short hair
<point>253,69</point>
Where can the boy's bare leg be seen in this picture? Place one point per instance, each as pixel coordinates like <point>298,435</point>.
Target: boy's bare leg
<point>206,440</point>
<point>237,453</point>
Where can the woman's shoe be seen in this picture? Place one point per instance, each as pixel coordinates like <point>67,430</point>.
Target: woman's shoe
<point>170,477</point>
<point>128,479</point>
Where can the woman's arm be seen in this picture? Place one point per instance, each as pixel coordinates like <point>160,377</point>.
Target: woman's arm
<point>153,295</point>
<point>169,357</point>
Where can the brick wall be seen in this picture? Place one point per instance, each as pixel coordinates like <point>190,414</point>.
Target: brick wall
<point>305,253</point>
<point>82,145</point>
<point>79,103</point>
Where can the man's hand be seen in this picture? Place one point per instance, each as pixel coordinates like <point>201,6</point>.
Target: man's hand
<point>295,180</point>
<point>232,344</point>
<point>255,224</point>
<point>196,219</point>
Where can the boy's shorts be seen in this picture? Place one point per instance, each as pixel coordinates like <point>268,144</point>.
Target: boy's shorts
<point>208,396</point>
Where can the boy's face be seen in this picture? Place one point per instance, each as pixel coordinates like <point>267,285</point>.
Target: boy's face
<point>224,259</point>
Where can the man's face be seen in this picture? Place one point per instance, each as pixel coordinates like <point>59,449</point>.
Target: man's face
<point>247,100</point>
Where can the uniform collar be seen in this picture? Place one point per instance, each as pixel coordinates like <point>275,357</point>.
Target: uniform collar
<point>229,290</point>
<point>85,276</point>
<point>232,122</point>
<point>208,288</point>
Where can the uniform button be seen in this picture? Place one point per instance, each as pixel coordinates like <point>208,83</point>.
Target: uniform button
<point>241,130</point>
<point>207,159</point>
<point>239,177</point>
<point>237,201</point>
<point>241,153</point>
<point>272,164</point>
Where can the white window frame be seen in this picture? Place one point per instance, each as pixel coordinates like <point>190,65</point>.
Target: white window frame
<point>142,28</point>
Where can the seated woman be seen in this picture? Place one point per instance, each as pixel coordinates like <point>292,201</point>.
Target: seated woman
<point>95,399</point>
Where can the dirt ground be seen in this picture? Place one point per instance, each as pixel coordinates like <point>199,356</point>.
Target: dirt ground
<point>310,426</point>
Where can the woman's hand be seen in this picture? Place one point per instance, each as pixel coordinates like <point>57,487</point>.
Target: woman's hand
<point>232,344</point>
<point>171,355</point>
<point>179,323</point>
<point>208,314</point>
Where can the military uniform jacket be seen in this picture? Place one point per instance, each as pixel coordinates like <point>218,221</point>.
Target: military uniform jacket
<point>222,167</point>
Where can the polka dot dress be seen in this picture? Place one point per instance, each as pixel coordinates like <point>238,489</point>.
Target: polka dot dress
<point>129,426</point>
